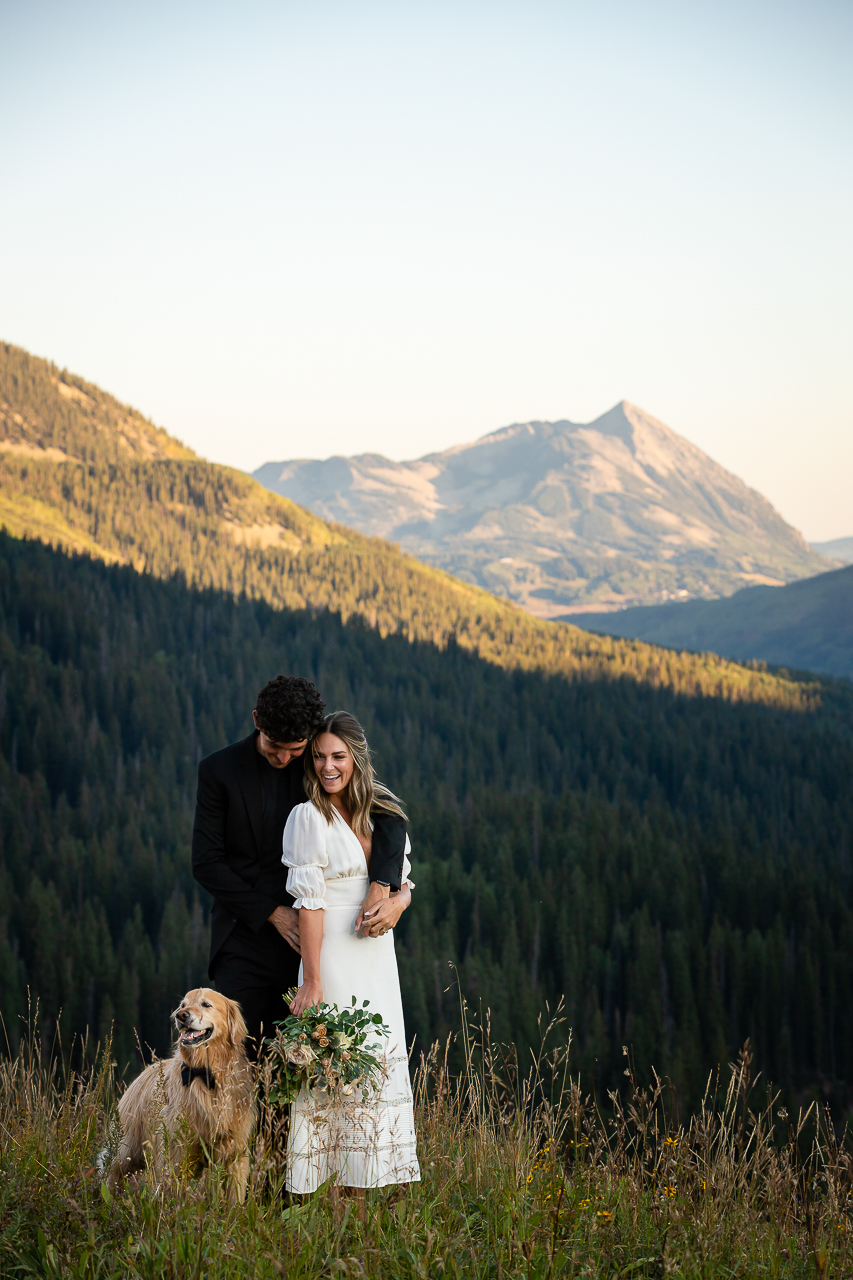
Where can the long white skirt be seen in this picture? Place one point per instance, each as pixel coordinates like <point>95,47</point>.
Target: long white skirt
<point>357,1144</point>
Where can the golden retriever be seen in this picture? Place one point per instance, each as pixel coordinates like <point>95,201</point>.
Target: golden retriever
<point>198,1102</point>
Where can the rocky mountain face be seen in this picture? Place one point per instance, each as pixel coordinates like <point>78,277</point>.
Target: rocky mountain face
<point>563,517</point>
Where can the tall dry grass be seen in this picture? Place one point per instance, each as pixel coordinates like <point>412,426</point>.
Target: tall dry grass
<point>524,1175</point>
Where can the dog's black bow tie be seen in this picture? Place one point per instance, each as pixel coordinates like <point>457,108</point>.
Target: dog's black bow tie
<point>188,1074</point>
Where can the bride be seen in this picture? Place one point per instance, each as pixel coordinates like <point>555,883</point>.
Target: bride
<point>347,952</point>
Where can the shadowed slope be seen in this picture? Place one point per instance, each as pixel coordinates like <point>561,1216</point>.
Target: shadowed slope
<point>807,625</point>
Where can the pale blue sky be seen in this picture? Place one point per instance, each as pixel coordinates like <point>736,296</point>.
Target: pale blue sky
<point>301,229</point>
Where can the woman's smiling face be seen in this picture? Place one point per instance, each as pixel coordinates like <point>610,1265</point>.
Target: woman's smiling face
<point>333,763</point>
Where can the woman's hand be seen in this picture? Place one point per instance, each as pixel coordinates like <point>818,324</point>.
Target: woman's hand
<point>384,915</point>
<point>376,893</point>
<point>310,993</point>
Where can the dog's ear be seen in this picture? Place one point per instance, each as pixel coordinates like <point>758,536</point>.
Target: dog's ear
<point>237,1029</point>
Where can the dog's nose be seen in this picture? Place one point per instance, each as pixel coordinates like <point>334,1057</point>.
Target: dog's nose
<point>183,1015</point>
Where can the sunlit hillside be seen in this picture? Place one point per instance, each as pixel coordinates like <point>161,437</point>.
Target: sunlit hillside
<point>80,471</point>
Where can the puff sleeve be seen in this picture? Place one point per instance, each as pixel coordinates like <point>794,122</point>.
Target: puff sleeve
<point>305,854</point>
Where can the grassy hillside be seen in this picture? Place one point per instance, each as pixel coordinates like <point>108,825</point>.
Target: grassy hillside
<point>511,1189</point>
<point>807,625</point>
<point>82,472</point>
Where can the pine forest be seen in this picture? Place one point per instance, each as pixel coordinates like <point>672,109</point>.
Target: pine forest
<point>674,865</point>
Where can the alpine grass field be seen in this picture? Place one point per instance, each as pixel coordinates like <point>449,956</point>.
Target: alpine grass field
<point>524,1175</point>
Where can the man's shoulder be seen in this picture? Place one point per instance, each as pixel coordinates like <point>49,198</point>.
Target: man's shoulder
<point>224,761</point>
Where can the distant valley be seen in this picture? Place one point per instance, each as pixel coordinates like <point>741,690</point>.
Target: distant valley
<point>564,517</point>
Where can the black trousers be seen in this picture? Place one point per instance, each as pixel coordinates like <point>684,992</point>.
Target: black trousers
<point>256,969</point>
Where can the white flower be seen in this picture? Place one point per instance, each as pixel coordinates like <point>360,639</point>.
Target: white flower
<point>300,1055</point>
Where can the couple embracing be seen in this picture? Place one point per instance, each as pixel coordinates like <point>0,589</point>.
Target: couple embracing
<point>307,892</point>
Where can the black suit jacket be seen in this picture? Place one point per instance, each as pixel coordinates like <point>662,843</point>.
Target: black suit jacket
<point>226,851</point>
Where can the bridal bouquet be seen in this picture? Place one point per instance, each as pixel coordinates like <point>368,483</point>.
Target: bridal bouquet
<point>325,1048</point>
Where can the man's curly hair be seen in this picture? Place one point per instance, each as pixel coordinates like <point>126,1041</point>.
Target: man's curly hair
<point>289,708</point>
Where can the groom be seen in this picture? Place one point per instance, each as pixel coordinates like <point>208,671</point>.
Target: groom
<point>245,795</point>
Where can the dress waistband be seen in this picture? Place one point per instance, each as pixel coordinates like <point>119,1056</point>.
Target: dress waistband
<point>348,891</point>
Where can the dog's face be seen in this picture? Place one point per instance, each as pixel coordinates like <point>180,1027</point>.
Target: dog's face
<point>204,1016</point>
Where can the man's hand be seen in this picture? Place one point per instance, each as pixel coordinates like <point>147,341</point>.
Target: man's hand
<point>375,894</point>
<point>379,918</point>
<point>286,921</point>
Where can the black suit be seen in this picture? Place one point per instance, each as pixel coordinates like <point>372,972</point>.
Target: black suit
<point>237,858</point>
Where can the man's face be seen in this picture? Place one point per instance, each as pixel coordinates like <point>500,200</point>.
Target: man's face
<point>278,754</point>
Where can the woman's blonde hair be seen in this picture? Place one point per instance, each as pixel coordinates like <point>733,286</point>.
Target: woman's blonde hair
<point>364,791</point>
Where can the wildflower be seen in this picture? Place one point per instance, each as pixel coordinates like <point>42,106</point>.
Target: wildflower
<point>529,1179</point>
<point>669,1191</point>
<point>605,1215</point>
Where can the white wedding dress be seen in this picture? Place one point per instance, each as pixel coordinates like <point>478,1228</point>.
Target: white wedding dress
<point>357,1144</point>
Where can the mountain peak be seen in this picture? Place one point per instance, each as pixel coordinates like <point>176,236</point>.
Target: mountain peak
<point>618,421</point>
<point>556,515</point>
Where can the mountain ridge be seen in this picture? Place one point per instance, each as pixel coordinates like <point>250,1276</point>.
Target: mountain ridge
<point>836,551</point>
<point>561,516</point>
<point>806,625</point>
<point>127,494</point>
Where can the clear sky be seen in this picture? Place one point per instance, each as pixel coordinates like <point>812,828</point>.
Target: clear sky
<point>296,229</point>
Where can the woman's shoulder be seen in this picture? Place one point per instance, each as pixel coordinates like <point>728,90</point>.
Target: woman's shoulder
<point>305,823</point>
<point>306,806</point>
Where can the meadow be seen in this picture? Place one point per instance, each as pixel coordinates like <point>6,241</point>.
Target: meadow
<point>524,1175</point>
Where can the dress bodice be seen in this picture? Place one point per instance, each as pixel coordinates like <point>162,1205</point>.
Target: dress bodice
<point>317,853</point>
